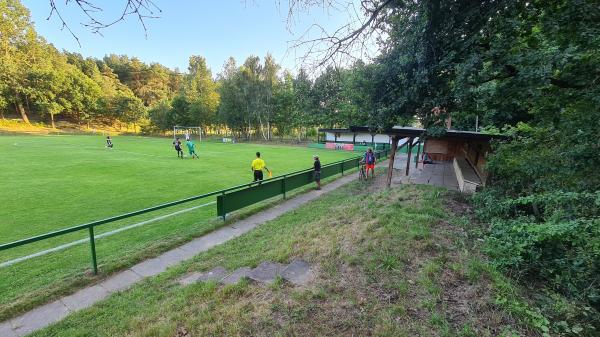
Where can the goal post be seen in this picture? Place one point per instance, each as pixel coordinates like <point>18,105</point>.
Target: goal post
<point>188,132</point>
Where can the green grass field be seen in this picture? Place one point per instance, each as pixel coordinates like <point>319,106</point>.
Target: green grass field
<point>53,182</point>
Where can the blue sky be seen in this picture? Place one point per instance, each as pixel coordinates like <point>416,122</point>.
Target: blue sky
<point>215,29</point>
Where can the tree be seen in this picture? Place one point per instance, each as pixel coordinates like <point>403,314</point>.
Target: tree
<point>200,91</point>
<point>17,35</point>
<point>130,109</point>
<point>231,108</point>
<point>304,102</point>
<point>284,106</point>
<point>328,100</point>
<point>161,116</point>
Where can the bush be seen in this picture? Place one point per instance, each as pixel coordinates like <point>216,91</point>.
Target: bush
<point>560,247</point>
<point>542,205</point>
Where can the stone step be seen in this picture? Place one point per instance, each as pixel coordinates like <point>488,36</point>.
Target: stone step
<point>237,275</point>
<point>188,279</point>
<point>216,274</point>
<point>266,272</point>
<point>298,272</point>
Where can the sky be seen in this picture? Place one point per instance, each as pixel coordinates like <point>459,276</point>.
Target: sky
<point>215,29</point>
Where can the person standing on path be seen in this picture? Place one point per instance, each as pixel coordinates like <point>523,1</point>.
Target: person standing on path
<point>317,167</point>
<point>370,162</point>
<point>257,166</point>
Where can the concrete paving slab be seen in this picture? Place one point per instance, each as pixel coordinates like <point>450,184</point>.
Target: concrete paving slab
<point>120,281</point>
<point>237,275</point>
<point>150,267</point>
<point>188,279</point>
<point>266,272</point>
<point>175,256</point>
<point>85,298</point>
<point>39,318</point>
<point>6,330</point>
<point>244,226</point>
<point>298,272</point>
<point>195,246</point>
<point>221,235</point>
<point>216,274</point>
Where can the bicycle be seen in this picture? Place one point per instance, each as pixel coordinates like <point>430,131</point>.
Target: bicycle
<point>361,172</point>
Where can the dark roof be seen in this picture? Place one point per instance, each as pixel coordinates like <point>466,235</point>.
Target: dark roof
<point>407,131</point>
<point>336,130</point>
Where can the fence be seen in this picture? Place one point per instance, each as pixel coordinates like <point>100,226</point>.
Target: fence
<point>231,201</point>
<point>228,200</point>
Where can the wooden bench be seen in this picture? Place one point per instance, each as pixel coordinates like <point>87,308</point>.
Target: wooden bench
<point>468,180</point>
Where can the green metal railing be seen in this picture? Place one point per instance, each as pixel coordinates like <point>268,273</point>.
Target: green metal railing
<point>228,200</point>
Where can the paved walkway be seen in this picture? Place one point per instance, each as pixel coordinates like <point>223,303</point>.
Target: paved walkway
<point>53,312</point>
<point>438,174</point>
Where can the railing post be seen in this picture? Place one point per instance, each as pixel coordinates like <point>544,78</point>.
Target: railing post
<point>283,185</point>
<point>223,205</point>
<point>342,164</point>
<point>93,249</point>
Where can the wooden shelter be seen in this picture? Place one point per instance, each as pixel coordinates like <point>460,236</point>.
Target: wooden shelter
<point>466,150</point>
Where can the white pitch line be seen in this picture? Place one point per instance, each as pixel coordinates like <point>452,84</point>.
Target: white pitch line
<point>118,230</point>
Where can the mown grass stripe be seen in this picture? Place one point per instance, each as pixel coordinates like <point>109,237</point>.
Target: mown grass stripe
<point>99,236</point>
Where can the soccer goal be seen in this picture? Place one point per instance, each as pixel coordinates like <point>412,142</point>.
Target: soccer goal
<point>188,132</point>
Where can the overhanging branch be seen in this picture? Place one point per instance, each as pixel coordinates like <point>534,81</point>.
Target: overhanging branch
<point>142,9</point>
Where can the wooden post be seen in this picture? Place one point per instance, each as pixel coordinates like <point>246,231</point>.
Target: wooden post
<point>418,153</point>
<point>410,146</point>
<point>395,140</point>
<point>424,153</point>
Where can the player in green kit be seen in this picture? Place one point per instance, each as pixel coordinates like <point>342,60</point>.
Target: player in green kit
<point>191,149</point>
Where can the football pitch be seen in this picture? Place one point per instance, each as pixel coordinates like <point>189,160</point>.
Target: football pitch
<point>53,182</point>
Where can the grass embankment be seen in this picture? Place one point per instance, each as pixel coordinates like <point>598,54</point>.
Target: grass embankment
<point>17,126</point>
<point>53,182</point>
<point>396,262</point>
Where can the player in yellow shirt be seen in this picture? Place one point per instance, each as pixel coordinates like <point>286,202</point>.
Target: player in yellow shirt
<point>257,166</point>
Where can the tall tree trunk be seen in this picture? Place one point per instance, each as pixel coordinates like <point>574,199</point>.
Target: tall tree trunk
<point>262,128</point>
<point>20,108</point>
<point>52,120</point>
<point>23,113</point>
<point>269,130</point>
<point>395,140</point>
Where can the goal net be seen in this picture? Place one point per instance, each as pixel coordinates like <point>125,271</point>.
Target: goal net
<point>187,132</point>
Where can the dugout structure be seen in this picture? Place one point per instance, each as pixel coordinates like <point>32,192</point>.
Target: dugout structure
<point>188,132</point>
<point>465,151</point>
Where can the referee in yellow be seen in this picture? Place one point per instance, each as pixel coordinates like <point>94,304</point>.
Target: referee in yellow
<point>257,166</point>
